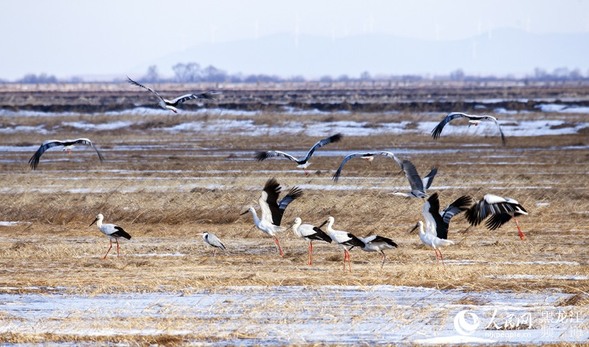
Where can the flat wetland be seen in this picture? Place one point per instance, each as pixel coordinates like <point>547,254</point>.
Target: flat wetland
<point>168,178</point>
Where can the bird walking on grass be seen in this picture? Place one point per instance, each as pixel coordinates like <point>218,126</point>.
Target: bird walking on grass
<point>472,120</point>
<point>309,233</point>
<point>171,105</point>
<point>499,210</point>
<point>68,145</point>
<point>272,210</point>
<point>303,162</point>
<point>344,239</point>
<point>376,243</point>
<point>213,241</point>
<point>112,231</point>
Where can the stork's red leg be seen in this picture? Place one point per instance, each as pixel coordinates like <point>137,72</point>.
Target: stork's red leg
<point>108,250</point>
<point>519,230</point>
<point>118,248</point>
<point>279,248</point>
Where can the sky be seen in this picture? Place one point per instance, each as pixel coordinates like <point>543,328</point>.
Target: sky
<point>71,37</point>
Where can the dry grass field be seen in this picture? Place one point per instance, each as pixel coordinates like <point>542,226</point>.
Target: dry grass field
<point>166,187</point>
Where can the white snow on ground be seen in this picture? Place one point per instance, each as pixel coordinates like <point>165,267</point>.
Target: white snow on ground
<point>260,315</point>
<point>98,127</point>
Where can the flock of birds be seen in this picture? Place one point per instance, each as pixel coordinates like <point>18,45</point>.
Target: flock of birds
<point>494,209</point>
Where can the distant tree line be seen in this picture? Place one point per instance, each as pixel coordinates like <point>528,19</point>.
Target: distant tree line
<point>193,73</point>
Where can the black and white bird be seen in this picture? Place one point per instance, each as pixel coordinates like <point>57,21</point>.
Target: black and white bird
<point>499,210</point>
<point>213,241</point>
<point>114,232</point>
<point>172,104</point>
<point>418,185</point>
<point>472,120</point>
<point>310,233</point>
<point>68,145</point>
<point>367,156</point>
<point>376,243</point>
<point>272,209</point>
<point>344,239</point>
<point>437,222</point>
<point>302,163</point>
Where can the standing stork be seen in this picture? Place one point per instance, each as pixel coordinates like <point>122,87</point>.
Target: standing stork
<point>376,243</point>
<point>272,210</point>
<point>309,233</point>
<point>303,162</point>
<point>500,210</point>
<point>472,120</point>
<point>344,239</point>
<point>213,241</point>
<point>114,232</point>
<point>172,104</point>
<point>435,234</point>
<point>68,145</point>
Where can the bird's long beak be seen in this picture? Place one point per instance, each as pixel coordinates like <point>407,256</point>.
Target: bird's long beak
<point>93,222</point>
<point>244,212</point>
<point>413,229</point>
<point>322,224</point>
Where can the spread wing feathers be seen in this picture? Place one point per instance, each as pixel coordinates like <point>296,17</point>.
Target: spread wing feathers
<point>34,161</point>
<point>492,205</point>
<point>497,220</point>
<point>272,190</point>
<point>119,232</point>
<point>185,97</point>
<point>412,175</point>
<point>437,131</point>
<point>365,155</point>
<point>461,204</point>
<point>263,155</point>
<point>498,127</point>
<point>429,178</point>
<point>321,143</point>
<point>144,87</point>
<point>319,235</point>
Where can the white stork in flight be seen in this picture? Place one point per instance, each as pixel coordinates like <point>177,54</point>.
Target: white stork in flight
<point>172,104</point>
<point>472,120</point>
<point>303,162</point>
<point>500,210</point>
<point>68,145</point>
<point>272,210</point>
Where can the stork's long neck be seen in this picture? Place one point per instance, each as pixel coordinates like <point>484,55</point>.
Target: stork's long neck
<point>255,216</point>
<point>99,223</point>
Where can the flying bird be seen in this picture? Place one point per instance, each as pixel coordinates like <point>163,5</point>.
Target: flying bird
<point>376,243</point>
<point>472,120</point>
<point>367,156</point>
<point>437,224</point>
<point>272,209</point>
<point>344,239</point>
<point>68,145</point>
<point>418,185</point>
<point>114,232</point>
<point>172,104</point>
<point>302,163</point>
<point>499,210</point>
<point>213,241</point>
<point>310,233</point>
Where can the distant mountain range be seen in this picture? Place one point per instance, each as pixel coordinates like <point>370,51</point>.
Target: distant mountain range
<point>501,52</point>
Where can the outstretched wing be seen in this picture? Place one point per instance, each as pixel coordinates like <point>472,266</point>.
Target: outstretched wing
<point>461,204</point>
<point>429,178</point>
<point>263,155</point>
<point>437,131</point>
<point>321,143</point>
<point>368,155</point>
<point>498,127</point>
<point>293,193</point>
<point>34,161</point>
<point>144,87</point>
<point>412,175</point>
<point>86,142</point>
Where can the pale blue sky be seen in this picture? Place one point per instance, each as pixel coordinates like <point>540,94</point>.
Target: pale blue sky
<point>73,37</point>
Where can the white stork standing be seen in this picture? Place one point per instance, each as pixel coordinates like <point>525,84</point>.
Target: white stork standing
<point>114,232</point>
<point>213,241</point>
<point>472,120</point>
<point>437,222</point>
<point>309,233</point>
<point>344,239</point>
<point>68,145</point>
<point>302,163</point>
<point>376,243</point>
<point>171,104</point>
<point>272,210</point>
<point>499,208</point>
